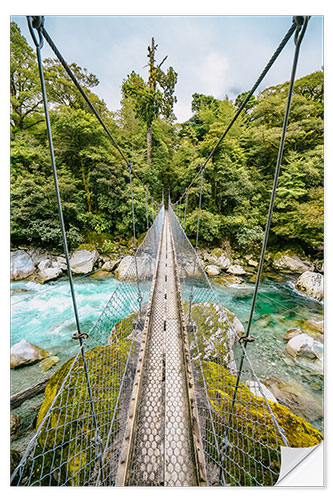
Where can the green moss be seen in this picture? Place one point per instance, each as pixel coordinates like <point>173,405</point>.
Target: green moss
<point>68,436</point>
<point>214,334</point>
<point>253,456</point>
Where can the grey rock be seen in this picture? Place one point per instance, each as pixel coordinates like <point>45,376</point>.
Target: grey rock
<point>297,398</point>
<point>236,269</point>
<point>48,270</point>
<point>37,255</point>
<point>25,353</point>
<point>219,258</point>
<point>109,265</point>
<point>21,265</point>
<point>311,284</point>
<point>307,352</point>
<point>82,261</point>
<point>288,261</point>
<point>61,261</point>
<point>212,270</point>
<point>143,267</point>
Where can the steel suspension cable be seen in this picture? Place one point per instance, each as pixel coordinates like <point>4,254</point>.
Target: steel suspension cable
<point>82,92</point>
<point>250,93</point>
<point>35,24</point>
<point>302,23</point>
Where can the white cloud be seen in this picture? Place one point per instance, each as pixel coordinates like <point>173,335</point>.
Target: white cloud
<point>183,110</point>
<point>213,75</point>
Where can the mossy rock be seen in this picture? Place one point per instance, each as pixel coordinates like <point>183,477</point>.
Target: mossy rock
<point>218,329</point>
<point>68,438</point>
<point>253,457</point>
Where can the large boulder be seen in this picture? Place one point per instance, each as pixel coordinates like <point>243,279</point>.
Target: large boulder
<point>190,267</point>
<point>307,352</point>
<point>289,262</point>
<point>25,353</point>
<point>219,258</point>
<point>82,261</point>
<point>143,267</point>
<point>212,270</point>
<point>21,265</point>
<point>236,269</point>
<point>37,255</point>
<point>104,363</point>
<point>61,262</point>
<point>48,270</point>
<point>251,415</point>
<point>110,265</point>
<point>218,329</point>
<point>122,268</point>
<point>311,284</point>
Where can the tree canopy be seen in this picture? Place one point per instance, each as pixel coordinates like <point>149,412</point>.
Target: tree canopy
<point>94,182</point>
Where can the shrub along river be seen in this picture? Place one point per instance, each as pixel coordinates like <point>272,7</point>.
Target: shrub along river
<point>43,315</point>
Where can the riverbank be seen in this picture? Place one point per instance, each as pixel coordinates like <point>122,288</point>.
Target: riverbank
<point>39,265</point>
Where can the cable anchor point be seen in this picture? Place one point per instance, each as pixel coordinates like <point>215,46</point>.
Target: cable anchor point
<point>80,335</point>
<point>36,23</point>
<point>246,338</point>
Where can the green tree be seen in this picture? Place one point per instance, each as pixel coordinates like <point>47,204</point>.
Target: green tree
<point>153,98</point>
<point>25,95</point>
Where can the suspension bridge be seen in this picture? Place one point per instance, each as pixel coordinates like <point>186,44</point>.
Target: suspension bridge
<point>161,391</point>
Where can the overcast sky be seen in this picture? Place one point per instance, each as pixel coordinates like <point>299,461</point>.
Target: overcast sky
<point>213,55</point>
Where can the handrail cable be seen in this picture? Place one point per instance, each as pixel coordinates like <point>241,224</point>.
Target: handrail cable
<point>36,23</point>
<point>250,93</point>
<point>302,22</point>
<point>42,31</point>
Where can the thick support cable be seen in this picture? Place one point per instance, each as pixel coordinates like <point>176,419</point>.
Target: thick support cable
<point>301,28</point>
<point>39,44</point>
<point>82,92</point>
<point>250,93</point>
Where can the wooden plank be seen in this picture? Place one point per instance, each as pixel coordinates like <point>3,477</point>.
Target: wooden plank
<point>17,399</point>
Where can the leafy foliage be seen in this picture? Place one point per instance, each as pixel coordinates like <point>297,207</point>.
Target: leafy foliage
<point>94,182</point>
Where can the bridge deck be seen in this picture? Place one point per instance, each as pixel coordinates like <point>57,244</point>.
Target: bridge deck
<point>161,452</point>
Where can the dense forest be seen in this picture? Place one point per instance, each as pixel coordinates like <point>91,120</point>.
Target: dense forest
<point>94,182</point>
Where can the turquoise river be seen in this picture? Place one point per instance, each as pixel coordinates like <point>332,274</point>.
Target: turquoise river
<point>43,315</point>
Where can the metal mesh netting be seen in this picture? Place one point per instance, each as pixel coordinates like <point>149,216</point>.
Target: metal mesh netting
<point>241,435</point>
<point>80,426</point>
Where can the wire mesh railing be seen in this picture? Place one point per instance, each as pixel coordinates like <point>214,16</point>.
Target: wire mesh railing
<point>242,426</point>
<point>80,428</point>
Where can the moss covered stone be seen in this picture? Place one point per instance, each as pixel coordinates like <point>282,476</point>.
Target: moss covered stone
<point>68,438</point>
<point>253,456</point>
<point>217,331</point>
